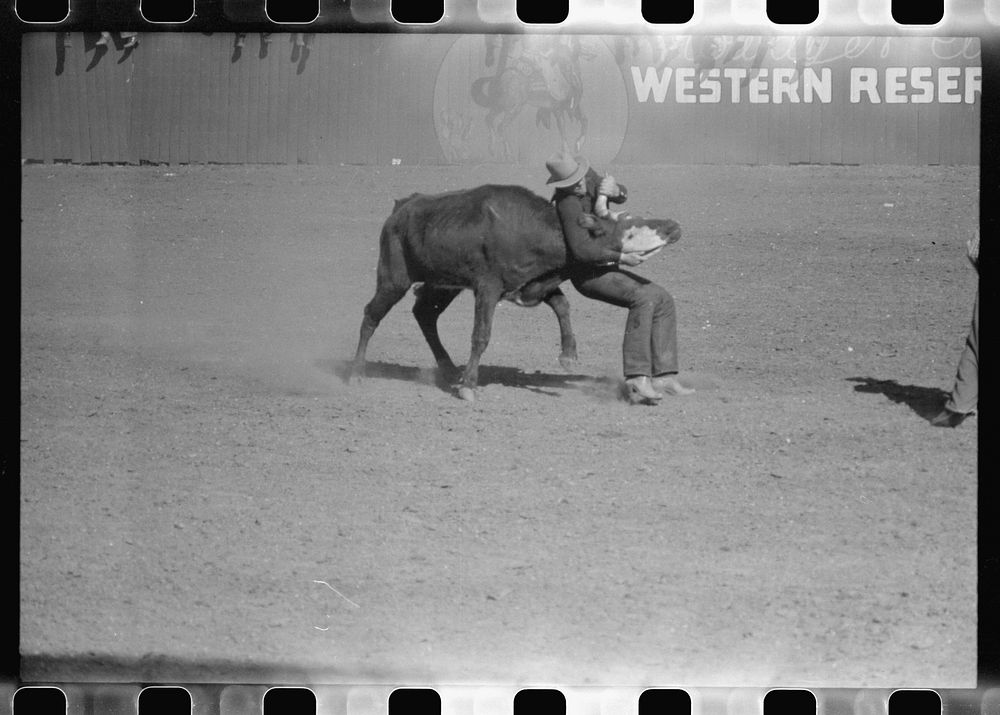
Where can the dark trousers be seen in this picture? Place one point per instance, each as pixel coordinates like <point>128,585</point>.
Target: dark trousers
<point>650,343</point>
<point>964,396</point>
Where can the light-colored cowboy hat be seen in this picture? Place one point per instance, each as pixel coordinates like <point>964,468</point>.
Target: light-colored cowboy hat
<point>566,170</point>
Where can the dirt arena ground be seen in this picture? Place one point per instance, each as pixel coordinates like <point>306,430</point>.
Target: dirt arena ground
<point>204,498</point>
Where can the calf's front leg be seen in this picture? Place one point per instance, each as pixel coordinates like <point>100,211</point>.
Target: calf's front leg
<point>487,296</point>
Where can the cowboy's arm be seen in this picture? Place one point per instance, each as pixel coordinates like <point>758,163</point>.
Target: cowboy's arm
<point>582,247</point>
<point>616,193</point>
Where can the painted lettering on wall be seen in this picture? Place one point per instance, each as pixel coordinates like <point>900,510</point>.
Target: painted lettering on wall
<point>778,85</point>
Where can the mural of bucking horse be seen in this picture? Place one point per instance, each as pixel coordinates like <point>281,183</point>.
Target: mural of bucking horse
<point>541,72</point>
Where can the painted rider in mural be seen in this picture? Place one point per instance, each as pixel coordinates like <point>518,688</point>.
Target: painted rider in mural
<point>649,348</point>
<point>538,72</point>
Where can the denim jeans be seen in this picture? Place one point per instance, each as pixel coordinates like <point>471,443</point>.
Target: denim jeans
<point>965,394</point>
<point>650,343</point>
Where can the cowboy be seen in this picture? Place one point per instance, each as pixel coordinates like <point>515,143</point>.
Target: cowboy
<point>649,348</point>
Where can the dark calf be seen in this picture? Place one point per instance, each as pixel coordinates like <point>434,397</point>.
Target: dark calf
<point>501,242</point>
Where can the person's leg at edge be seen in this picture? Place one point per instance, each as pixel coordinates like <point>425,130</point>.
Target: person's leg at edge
<point>964,397</point>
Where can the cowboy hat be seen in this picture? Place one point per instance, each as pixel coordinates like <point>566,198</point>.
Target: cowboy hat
<point>565,170</point>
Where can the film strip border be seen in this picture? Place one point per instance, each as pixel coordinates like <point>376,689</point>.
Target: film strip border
<point>939,17</point>
<point>468,700</point>
<point>946,17</point>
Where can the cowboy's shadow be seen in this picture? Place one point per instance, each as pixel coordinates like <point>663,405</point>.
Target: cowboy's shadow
<point>925,401</point>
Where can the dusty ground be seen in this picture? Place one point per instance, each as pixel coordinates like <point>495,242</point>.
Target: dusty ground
<point>193,468</point>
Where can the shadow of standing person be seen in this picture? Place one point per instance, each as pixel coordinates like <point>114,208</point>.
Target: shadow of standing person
<point>925,401</point>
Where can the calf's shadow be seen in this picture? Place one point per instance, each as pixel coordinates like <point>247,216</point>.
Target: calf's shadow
<point>541,382</point>
<point>925,401</point>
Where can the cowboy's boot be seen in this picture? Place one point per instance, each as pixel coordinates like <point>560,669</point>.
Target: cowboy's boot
<point>669,385</point>
<point>639,391</point>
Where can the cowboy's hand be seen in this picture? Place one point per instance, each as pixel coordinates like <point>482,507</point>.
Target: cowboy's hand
<point>630,259</point>
<point>608,186</point>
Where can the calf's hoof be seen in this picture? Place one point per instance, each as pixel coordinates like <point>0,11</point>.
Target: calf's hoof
<point>448,371</point>
<point>567,362</point>
<point>467,393</point>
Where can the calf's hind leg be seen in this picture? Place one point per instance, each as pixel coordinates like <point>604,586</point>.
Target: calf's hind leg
<point>431,302</point>
<point>386,296</point>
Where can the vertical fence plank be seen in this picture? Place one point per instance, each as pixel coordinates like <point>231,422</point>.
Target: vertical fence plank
<point>282,128</point>
<point>98,108</point>
<point>32,144</point>
<point>307,147</point>
<point>158,107</point>
<point>170,132</point>
<point>928,131</point>
<point>242,101</point>
<point>291,107</point>
<point>144,105</point>
<point>51,115</point>
<point>335,92</point>
<point>253,109</point>
<point>226,134</point>
<point>317,152</point>
<point>181,127</point>
<point>299,103</point>
<point>909,114</point>
<point>347,129</point>
<point>68,85</point>
<point>969,146</point>
<point>234,98</point>
<point>252,82</point>
<point>113,107</point>
<point>218,131</point>
<point>322,50</point>
<point>197,97</point>
<point>184,94</point>
<point>29,148</point>
<point>232,91</point>
<point>269,96</point>
<point>87,97</point>
<point>134,98</point>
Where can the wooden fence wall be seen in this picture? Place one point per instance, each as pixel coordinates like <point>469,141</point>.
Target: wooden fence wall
<point>191,97</point>
<point>372,99</point>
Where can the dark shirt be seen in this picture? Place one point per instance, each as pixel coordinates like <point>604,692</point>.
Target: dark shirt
<point>583,247</point>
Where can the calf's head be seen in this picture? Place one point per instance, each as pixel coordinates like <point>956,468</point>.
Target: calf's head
<point>634,235</point>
